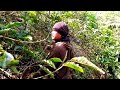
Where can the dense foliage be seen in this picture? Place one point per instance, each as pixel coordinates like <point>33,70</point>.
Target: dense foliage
<point>94,35</point>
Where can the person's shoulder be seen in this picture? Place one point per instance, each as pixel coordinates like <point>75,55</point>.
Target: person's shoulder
<point>63,45</point>
<point>60,44</point>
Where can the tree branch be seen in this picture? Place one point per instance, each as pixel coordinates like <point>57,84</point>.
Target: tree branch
<point>49,73</point>
<point>61,65</point>
<point>20,41</point>
<point>6,74</point>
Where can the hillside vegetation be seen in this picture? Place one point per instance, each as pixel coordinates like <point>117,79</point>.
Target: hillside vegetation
<point>94,36</point>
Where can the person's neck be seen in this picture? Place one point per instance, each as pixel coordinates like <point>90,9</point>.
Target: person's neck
<point>55,41</point>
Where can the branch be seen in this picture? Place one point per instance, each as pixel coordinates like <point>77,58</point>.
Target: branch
<point>49,73</point>
<point>6,74</point>
<point>20,41</point>
<point>61,65</point>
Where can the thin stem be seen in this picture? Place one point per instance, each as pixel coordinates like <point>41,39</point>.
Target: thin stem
<point>20,41</point>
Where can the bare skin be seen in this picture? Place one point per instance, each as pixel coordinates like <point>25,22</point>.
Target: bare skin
<point>56,35</point>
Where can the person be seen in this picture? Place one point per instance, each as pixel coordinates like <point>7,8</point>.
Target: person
<point>61,48</point>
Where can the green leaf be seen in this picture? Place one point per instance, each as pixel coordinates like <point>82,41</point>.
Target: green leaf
<point>47,71</point>
<point>13,24</point>
<point>85,62</point>
<point>73,66</point>
<point>28,37</point>
<point>3,31</point>
<point>56,60</point>
<point>2,59</point>
<point>32,13</point>
<point>14,69</point>
<point>1,50</point>
<point>17,47</point>
<point>50,63</point>
<point>13,63</point>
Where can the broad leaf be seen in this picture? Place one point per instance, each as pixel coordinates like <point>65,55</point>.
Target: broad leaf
<point>50,63</point>
<point>73,66</point>
<point>56,60</point>
<point>85,62</point>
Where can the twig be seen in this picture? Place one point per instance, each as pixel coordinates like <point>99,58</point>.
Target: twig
<point>64,57</point>
<point>25,22</point>
<point>6,74</point>
<point>49,73</point>
<point>26,67</point>
<point>20,41</point>
<point>61,65</point>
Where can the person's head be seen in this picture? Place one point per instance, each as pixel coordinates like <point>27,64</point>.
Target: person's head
<point>60,32</point>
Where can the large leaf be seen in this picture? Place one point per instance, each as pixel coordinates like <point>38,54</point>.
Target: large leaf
<point>56,60</point>
<point>47,71</point>
<point>85,62</point>
<point>73,66</point>
<point>50,63</point>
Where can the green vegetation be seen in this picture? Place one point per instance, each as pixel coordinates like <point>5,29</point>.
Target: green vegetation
<point>94,35</point>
